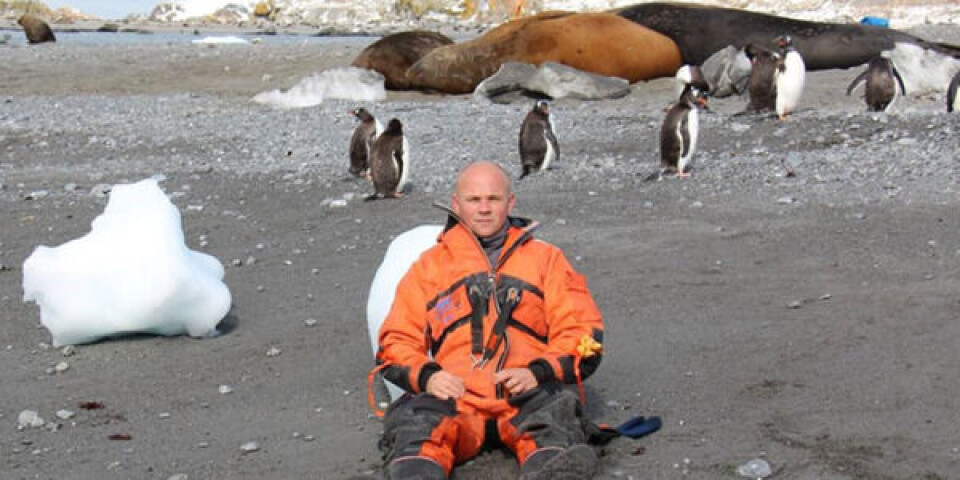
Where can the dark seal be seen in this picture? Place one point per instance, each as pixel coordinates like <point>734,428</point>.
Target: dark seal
<point>701,31</point>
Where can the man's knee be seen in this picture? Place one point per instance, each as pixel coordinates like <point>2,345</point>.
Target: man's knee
<point>410,422</point>
<point>551,416</point>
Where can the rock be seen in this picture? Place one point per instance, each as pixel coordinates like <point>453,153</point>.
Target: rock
<point>65,414</point>
<point>250,447</point>
<point>29,419</point>
<point>508,84</point>
<point>727,72</point>
<point>515,80</point>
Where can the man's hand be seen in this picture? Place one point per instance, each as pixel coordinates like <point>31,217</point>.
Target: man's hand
<point>444,385</point>
<point>516,380</point>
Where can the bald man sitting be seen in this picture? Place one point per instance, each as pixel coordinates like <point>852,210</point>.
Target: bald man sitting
<point>485,329</point>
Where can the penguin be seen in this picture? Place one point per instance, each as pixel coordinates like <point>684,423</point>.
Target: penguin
<point>361,141</point>
<point>762,87</point>
<point>790,76</point>
<point>389,162</point>
<point>953,100</point>
<point>691,75</point>
<point>678,134</point>
<point>880,79</point>
<point>538,144</point>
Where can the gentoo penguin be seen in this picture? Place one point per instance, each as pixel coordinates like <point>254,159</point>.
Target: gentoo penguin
<point>538,144</point>
<point>389,162</point>
<point>691,75</point>
<point>791,73</point>
<point>762,87</point>
<point>880,79</point>
<point>678,134</point>
<point>953,100</point>
<point>361,141</point>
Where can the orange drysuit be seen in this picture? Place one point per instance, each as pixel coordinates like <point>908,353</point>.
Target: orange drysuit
<point>455,311</point>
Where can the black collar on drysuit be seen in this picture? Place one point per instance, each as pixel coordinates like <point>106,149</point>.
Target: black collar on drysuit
<point>479,291</point>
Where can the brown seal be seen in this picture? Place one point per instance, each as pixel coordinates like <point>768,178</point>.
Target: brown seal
<point>36,30</point>
<point>394,54</point>
<point>600,43</point>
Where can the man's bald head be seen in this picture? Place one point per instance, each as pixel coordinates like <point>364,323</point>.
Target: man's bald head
<point>484,169</point>
<point>483,197</point>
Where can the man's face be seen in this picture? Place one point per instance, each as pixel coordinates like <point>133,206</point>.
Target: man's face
<point>483,199</point>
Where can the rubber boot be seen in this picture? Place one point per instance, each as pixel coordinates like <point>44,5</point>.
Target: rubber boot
<point>574,463</point>
<point>415,468</point>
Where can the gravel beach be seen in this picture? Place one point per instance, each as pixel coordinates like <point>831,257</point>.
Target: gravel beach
<point>796,300</point>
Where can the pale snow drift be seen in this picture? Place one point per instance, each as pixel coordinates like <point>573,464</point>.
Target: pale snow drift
<point>347,83</point>
<point>132,273</point>
<point>401,253</point>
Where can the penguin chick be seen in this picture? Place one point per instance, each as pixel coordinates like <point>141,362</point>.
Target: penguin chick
<point>762,87</point>
<point>361,141</point>
<point>880,81</point>
<point>537,143</point>
<point>389,162</point>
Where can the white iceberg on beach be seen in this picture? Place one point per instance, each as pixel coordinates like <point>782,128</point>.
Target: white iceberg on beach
<point>132,273</point>
<point>402,252</point>
<point>347,83</point>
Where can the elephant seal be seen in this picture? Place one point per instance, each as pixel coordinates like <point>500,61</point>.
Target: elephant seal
<point>700,31</point>
<point>601,43</point>
<point>393,54</point>
<point>36,30</point>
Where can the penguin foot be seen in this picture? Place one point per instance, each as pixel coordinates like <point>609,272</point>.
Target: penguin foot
<point>371,197</point>
<point>684,174</point>
<point>393,195</point>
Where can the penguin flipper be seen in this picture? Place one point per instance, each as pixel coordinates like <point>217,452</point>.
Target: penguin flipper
<point>952,92</point>
<point>856,82</point>
<point>896,74</point>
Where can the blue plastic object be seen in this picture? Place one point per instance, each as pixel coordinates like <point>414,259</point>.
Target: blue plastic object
<point>638,427</point>
<point>875,22</point>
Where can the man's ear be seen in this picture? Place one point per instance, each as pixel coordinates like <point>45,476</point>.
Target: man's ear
<point>510,203</point>
<point>454,204</point>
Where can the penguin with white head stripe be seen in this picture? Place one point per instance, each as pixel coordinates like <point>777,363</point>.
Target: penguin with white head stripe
<point>679,133</point>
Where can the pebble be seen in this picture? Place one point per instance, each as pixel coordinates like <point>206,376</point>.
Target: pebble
<point>250,447</point>
<point>795,304</point>
<point>65,414</point>
<point>68,351</point>
<point>179,476</point>
<point>225,389</point>
<point>29,419</point>
<point>273,352</point>
<point>310,322</point>
<point>62,367</point>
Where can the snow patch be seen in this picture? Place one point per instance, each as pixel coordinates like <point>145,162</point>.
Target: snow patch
<point>347,83</point>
